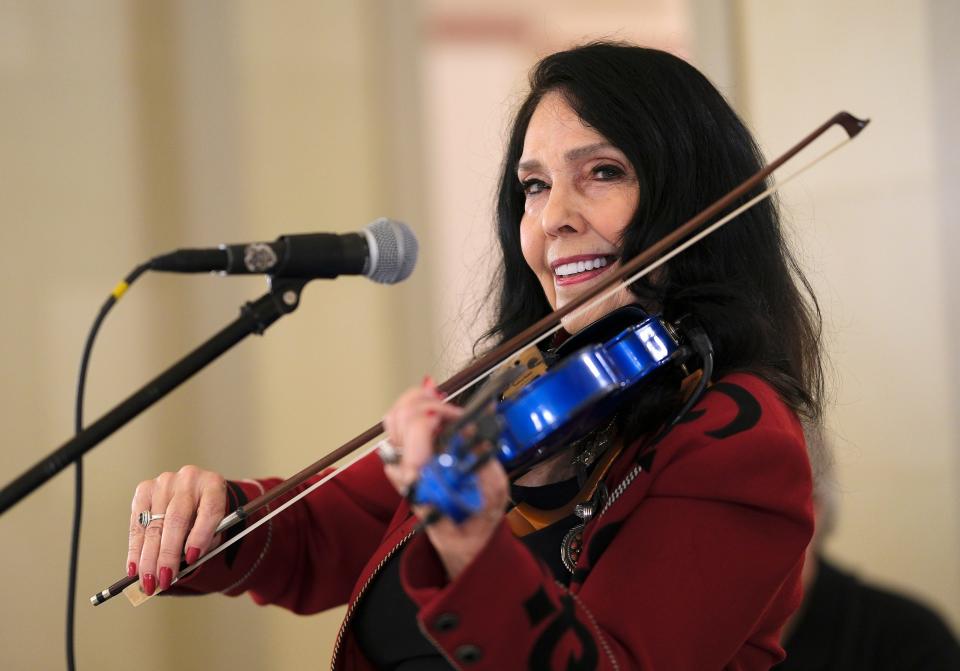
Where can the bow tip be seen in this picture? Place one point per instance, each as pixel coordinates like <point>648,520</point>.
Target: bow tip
<point>851,124</point>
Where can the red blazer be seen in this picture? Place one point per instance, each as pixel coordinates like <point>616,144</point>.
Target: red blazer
<point>695,565</point>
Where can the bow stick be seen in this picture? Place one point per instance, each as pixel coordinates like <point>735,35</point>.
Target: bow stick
<point>645,262</point>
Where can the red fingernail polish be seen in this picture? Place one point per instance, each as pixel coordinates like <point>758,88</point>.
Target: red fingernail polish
<point>149,584</point>
<point>166,576</point>
<point>192,554</point>
<point>431,413</point>
<point>131,569</point>
<point>427,381</point>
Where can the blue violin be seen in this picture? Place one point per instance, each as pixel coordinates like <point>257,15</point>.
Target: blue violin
<point>565,403</point>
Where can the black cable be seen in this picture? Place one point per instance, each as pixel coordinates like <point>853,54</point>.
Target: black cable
<point>78,480</point>
<point>703,346</point>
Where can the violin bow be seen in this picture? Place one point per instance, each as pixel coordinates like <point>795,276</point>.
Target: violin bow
<point>651,258</point>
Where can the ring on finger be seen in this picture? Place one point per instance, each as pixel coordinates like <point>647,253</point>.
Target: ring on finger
<point>146,517</point>
<point>387,452</point>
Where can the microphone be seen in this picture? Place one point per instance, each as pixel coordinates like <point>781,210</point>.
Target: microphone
<point>385,251</point>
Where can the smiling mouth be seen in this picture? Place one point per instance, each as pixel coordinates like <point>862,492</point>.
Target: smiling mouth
<point>576,269</point>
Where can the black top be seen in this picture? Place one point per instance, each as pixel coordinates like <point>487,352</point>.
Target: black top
<point>386,619</point>
<point>847,625</point>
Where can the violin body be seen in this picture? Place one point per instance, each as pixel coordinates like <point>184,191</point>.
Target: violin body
<point>574,396</point>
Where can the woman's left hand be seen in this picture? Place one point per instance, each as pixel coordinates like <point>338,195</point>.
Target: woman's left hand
<point>411,425</point>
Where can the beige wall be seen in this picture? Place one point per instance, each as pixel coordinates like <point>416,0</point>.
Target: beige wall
<point>127,128</point>
<point>881,254</point>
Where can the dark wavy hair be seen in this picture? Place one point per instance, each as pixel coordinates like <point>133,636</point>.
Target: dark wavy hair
<point>688,148</point>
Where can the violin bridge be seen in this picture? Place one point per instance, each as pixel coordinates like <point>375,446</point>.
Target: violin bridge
<point>531,364</point>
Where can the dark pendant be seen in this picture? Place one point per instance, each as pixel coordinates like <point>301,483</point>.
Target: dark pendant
<point>571,546</point>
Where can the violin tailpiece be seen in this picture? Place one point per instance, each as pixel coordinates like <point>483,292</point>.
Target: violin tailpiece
<point>531,364</point>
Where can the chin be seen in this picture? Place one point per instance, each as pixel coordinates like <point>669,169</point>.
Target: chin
<point>572,325</point>
<point>582,318</point>
<point>575,322</point>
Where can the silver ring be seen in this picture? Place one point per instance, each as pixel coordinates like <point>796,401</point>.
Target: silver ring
<point>387,452</point>
<point>146,517</point>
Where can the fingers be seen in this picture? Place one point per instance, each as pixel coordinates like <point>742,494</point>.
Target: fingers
<point>192,502</point>
<point>210,510</point>
<point>494,488</point>
<point>417,425</point>
<point>173,531</point>
<point>458,544</point>
<point>411,425</point>
<point>141,501</point>
<point>151,535</point>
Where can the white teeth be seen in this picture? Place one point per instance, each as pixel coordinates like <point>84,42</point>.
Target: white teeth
<point>575,267</point>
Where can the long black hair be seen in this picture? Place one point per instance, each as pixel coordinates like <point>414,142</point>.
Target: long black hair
<point>688,148</point>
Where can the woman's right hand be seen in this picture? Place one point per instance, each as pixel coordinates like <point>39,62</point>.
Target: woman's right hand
<point>193,502</point>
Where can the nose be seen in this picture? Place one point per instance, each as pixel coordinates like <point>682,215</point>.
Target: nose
<point>561,214</point>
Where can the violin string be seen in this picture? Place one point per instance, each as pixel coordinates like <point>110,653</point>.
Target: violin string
<point>633,278</point>
<point>493,369</point>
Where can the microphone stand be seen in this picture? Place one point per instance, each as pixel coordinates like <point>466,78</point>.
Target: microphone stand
<point>282,298</point>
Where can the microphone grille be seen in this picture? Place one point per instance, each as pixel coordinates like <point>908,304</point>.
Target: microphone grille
<point>393,251</point>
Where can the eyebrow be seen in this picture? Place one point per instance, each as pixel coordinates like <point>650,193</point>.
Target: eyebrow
<point>572,155</point>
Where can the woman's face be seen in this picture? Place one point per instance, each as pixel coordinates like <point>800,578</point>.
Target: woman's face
<point>581,192</point>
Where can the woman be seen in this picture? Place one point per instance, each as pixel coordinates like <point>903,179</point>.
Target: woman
<point>696,562</point>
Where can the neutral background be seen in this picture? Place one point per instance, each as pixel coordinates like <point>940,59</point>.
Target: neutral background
<point>130,128</point>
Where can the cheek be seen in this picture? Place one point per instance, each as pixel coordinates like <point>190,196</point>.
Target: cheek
<point>533,248</point>
<point>617,212</point>
<point>531,244</point>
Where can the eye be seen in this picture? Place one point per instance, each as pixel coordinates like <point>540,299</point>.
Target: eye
<point>532,187</point>
<point>608,172</point>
